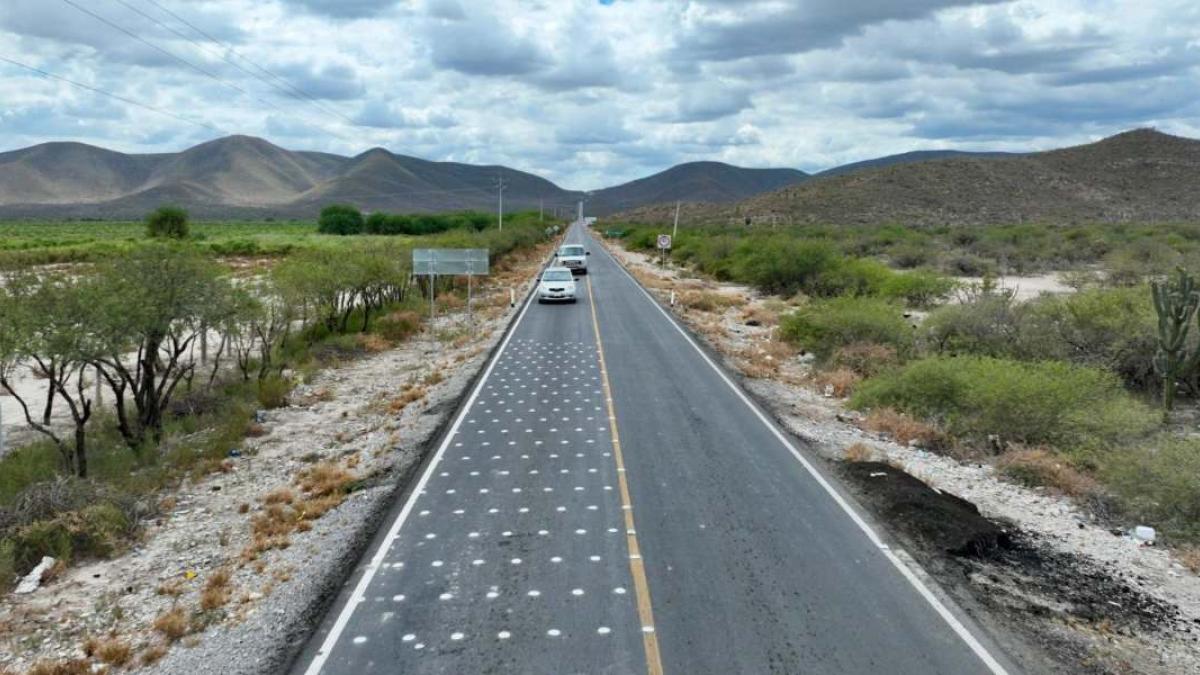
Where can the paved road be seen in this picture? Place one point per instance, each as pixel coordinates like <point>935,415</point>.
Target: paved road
<point>688,537</point>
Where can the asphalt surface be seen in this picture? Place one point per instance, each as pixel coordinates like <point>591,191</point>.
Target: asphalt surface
<point>689,537</point>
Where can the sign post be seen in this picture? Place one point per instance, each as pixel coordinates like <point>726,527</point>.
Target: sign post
<point>664,245</point>
<point>468,262</point>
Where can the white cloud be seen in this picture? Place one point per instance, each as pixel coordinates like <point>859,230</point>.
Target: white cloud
<point>590,94</point>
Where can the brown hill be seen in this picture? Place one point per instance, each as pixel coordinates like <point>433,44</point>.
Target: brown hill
<point>247,177</point>
<point>1140,175</point>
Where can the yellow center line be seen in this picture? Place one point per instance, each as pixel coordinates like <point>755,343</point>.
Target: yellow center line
<point>636,567</point>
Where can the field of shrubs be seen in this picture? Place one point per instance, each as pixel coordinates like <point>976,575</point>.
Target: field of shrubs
<point>152,353</point>
<point>1071,391</point>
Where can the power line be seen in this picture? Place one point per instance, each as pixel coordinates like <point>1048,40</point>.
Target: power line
<point>111,95</point>
<point>226,47</point>
<point>180,59</point>
<point>219,53</point>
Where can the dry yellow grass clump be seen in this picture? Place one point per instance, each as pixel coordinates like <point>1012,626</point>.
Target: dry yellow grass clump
<point>1190,557</point>
<point>372,343</point>
<point>859,452</point>
<point>1040,467</point>
<point>410,394</point>
<point>322,487</point>
<point>172,624</point>
<point>153,654</point>
<point>839,382</point>
<point>903,429</point>
<point>72,667</point>
<point>710,301</point>
<point>110,650</point>
<point>764,359</point>
<point>217,590</point>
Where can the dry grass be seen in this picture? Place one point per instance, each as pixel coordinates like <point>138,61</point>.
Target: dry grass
<point>409,395</point>
<point>710,301</point>
<point>758,315</point>
<point>764,359</point>
<point>372,343</point>
<point>72,667</point>
<point>867,359</point>
<point>173,588</point>
<point>1190,557</point>
<point>153,654</point>
<point>859,452</point>
<point>280,495</point>
<point>1040,467</point>
<point>903,429</point>
<point>110,650</point>
<point>839,382</point>
<point>323,487</point>
<point>434,378</point>
<point>172,624</point>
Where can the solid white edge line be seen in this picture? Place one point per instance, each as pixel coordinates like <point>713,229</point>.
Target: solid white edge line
<point>359,594</point>
<point>957,626</point>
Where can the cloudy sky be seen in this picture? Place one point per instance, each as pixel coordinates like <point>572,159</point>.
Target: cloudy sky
<point>591,93</point>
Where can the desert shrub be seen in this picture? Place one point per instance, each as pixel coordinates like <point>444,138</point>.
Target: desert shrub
<point>781,265</point>
<point>1072,407</point>
<point>903,429</point>
<point>851,276</point>
<point>1158,484</point>
<point>1114,329</point>
<point>968,265</point>
<point>988,324</point>
<point>167,222</point>
<point>838,382</point>
<point>920,288</point>
<point>823,326</point>
<point>273,391</point>
<point>398,326</point>
<point>94,531</point>
<point>340,219</point>
<point>866,359</point>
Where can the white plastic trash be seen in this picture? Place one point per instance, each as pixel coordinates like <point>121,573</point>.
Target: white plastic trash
<point>1144,533</point>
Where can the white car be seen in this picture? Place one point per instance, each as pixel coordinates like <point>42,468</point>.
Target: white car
<point>574,258</point>
<point>557,284</point>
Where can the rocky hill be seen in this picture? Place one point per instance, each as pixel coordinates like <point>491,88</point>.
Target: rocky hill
<point>1137,176</point>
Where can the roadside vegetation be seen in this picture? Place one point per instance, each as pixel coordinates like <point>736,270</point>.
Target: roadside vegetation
<point>160,356</point>
<point>1075,392</point>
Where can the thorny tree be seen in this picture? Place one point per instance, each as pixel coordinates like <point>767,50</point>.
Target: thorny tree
<point>44,327</point>
<point>156,302</point>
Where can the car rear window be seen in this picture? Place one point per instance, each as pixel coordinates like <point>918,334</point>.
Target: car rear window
<point>571,250</point>
<point>557,275</point>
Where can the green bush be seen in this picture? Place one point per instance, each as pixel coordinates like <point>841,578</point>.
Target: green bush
<point>851,276</point>
<point>921,288</point>
<point>340,219</point>
<point>823,326</point>
<point>1069,406</point>
<point>8,564</point>
<point>988,325</point>
<point>273,391</point>
<point>781,265</point>
<point>99,530</point>
<point>167,222</point>
<point>1158,485</point>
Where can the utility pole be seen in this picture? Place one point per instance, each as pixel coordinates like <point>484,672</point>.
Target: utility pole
<point>675,230</point>
<point>500,191</point>
<point>580,219</point>
<point>541,209</point>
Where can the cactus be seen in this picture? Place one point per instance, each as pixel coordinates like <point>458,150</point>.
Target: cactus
<point>1175,302</point>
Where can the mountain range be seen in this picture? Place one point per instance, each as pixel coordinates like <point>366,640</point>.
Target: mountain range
<point>1137,176</point>
<point>246,177</point>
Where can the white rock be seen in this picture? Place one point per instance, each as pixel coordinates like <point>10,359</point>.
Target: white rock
<point>33,580</point>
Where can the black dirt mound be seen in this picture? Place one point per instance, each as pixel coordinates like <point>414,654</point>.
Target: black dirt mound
<point>939,519</point>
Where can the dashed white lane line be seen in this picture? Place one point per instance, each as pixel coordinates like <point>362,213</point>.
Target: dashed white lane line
<point>373,566</point>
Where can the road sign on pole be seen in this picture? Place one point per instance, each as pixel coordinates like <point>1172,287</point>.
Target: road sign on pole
<point>664,245</point>
<point>452,262</point>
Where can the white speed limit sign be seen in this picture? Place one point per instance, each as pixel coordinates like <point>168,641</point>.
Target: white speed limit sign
<point>664,241</point>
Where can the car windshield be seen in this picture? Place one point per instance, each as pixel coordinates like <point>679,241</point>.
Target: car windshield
<point>571,250</point>
<point>557,275</point>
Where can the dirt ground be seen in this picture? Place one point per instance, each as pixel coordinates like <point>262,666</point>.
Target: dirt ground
<point>1064,592</point>
<point>204,591</point>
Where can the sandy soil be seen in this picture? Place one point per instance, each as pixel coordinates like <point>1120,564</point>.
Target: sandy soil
<point>347,415</point>
<point>1102,602</point>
